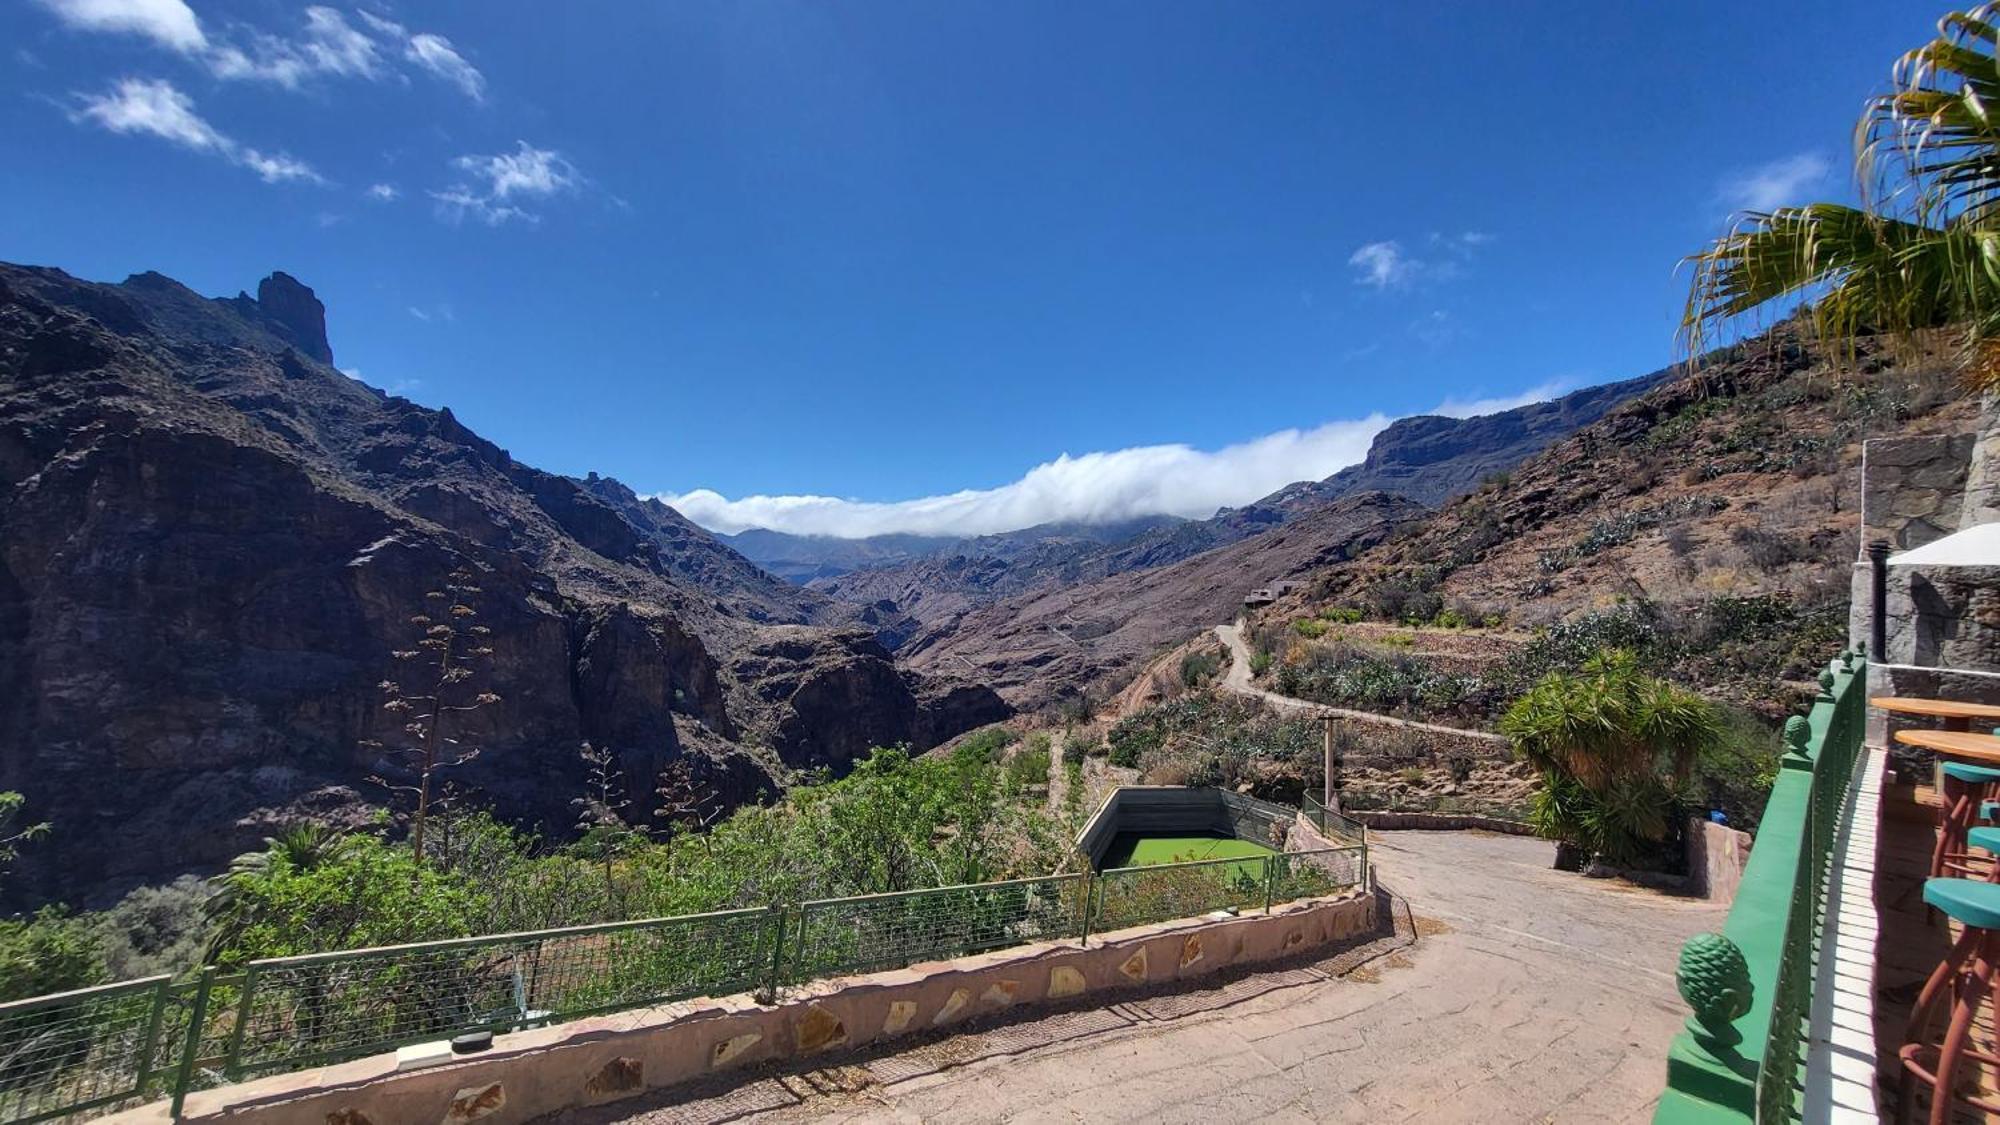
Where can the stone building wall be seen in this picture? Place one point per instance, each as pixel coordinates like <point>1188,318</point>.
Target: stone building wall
<point>1942,623</point>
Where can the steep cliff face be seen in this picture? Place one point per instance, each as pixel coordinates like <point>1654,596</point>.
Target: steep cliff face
<point>211,541</point>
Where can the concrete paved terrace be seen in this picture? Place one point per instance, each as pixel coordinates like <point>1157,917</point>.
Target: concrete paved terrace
<point>1527,995</point>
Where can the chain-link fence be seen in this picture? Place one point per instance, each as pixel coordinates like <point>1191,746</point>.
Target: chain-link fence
<point>889,931</point>
<point>79,1050</point>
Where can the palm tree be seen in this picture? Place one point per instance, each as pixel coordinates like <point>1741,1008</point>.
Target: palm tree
<point>1922,254</point>
<point>228,908</point>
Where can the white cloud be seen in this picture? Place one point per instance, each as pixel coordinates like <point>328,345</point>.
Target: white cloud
<point>1781,183</point>
<point>153,107</point>
<point>1388,265</point>
<point>526,173</point>
<point>382,192</point>
<point>328,45</point>
<point>1382,264</point>
<point>1093,488</point>
<point>1455,407</point>
<point>436,54</point>
<point>1176,480</point>
<point>169,23</point>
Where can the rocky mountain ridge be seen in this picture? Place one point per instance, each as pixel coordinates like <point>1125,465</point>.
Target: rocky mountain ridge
<point>1427,458</point>
<point>211,541</point>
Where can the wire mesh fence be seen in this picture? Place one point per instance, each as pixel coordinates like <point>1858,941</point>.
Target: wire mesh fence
<point>297,1011</point>
<point>1137,896</point>
<point>889,931</point>
<point>98,1049</point>
<point>1331,824</point>
<point>1297,875</point>
<point>79,1050</point>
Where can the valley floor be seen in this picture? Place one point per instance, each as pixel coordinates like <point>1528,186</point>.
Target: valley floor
<point>1529,995</point>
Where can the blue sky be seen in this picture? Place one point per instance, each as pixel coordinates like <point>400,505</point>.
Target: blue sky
<point>936,266</point>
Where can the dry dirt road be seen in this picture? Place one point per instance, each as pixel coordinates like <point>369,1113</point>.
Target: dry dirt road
<point>1531,995</point>
<point>1238,680</point>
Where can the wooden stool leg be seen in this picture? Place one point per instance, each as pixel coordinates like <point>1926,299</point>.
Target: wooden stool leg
<point>1965,1005</point>
<point>1941,978</point>
<point>1949,800</point>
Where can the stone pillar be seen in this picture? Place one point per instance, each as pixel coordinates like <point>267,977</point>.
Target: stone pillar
<point>1982,478</point>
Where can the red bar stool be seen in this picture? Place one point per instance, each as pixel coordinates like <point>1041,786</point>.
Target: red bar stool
<point>1962,982</point>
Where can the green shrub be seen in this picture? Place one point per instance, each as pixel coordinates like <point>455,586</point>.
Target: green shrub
<point>1311,628</point>
<point>1342,615</point>
<point>1198,668</point>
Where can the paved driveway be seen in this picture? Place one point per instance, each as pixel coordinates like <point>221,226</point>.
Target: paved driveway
<point>1531,995</point>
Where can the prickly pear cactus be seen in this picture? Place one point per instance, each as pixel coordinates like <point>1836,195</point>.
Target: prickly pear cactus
<point>1714,979</point>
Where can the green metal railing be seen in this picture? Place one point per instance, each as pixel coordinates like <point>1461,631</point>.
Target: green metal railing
<point>1751,987</point>
<point>80,1050</point>
<point>100,1047</point>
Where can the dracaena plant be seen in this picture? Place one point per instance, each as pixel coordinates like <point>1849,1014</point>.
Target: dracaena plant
<point>1921,257</point>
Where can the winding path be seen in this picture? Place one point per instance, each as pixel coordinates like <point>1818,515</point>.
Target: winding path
<point>1239,681</point>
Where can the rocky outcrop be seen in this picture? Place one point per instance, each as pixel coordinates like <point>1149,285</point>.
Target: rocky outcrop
<point>211,542</point>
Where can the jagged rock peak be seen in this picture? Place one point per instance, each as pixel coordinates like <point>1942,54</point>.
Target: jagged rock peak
<point>292,308</point>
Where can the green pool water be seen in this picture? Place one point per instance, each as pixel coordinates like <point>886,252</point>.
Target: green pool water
<point>1132,849</point>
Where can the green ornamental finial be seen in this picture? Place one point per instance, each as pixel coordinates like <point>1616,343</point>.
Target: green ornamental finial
<point>1861,649</point>
<point>1714,979</point>
<point>1847,661</point>
<point>1798,733</point>
<point>1826,683</point>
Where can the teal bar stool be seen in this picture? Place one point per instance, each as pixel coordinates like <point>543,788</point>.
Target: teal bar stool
<point>1967,788</point>
<point>1988,810</point>
<point>1961,983</point>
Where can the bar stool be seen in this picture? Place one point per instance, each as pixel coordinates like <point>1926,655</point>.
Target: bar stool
<point>1961,981</point>
<point>1967,789</point>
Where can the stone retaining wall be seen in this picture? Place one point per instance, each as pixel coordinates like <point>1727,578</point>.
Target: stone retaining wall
<point>529,1074</point>
<point>1386,820</point>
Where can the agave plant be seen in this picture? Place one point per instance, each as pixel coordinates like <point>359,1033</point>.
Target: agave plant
<point>1922,255</point>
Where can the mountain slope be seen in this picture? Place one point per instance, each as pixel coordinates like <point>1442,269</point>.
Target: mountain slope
<point>1428,459</point>
<point>211,541</point>
<point>1040,647</point>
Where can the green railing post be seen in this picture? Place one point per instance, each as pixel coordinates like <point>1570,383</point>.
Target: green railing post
<point>191,1049</point>
<point>235,1057</point>
<point>1270,880</point>
<point>778,951</point>
<point>1089,900</point>
<point>150,1042</point>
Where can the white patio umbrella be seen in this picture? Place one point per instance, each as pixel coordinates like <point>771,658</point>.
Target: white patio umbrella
<point>1978,545</point>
